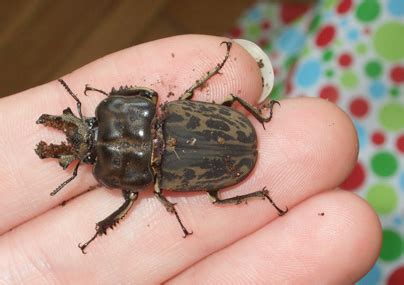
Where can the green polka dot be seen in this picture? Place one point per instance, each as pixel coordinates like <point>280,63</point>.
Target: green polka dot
<point>391,116</point>
<point>253,30</point>
<point>373,69</point>
<point>306,52</point>
<point>327,55</point>
<point>392,245</point>
<point>314,23</point>
<point>394,92</point>
<point>329,73</point>
<point>349,79</point>
<point>367,11</point>
<point>361,48</point>
<point>276,92</point>
<point>383,198</point>
<point>384,164</point>
<point>328,4</point>
<point>290,62</point>
<point>388,41</point>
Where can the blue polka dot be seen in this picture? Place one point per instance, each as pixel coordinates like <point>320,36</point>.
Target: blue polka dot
<point>401,182</point>
<point>398,221</point>
<point>291,41</point>
<point>254,14</point>
<point>327,15</point>
<point>396,7</point>
<point>362,136</point>
<point>377,89</point>
<point>308,73</point>
<point>353,35</point>
<point>373,277</point>
<point>343,22</point>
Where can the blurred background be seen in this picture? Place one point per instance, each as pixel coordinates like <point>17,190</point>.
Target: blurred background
<point>350,52</point>
<point>41,40</point>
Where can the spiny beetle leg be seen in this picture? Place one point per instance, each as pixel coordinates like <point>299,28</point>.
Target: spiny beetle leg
<point>263,194</point>
<point>170,207</point>
<point>256,112</point>
<point>113,219</point>
<point>201,82</point>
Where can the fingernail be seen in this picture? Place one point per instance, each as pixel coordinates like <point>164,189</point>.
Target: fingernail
<point>267,72</point>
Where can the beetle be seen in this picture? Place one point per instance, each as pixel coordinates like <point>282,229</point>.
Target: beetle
<point>191,146</point>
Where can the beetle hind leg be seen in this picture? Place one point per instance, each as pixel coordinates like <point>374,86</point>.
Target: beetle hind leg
<point>170,207</point>
<point>256,112</point>
<point>263,194</point>
<point>202,81</point>
<point>113,219</point>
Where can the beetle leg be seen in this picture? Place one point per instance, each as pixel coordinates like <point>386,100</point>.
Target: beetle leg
<point>64,84</point>
<point>54,192</point>
<point>256,112</point>
<point>113,219</point>
<point>170,207</point>
<point>201,82</point>
<point>89,88</point>
<point>264,193</point>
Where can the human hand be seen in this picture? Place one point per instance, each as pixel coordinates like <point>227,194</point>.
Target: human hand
<point>307,150</point>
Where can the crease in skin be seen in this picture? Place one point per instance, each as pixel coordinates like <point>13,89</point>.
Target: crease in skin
<point>339,202</point>
<point>61,204</point>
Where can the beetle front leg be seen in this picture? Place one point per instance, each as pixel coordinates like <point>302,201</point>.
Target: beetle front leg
<point>170,207</point>
<point>201,82</point>
<point>263,194</point>
<point>64,84</point>
<point>89,88</point>
<point>256,112</point>
<point>113,219</point>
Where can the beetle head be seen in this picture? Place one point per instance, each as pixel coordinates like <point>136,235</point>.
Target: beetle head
<point>80,137</point>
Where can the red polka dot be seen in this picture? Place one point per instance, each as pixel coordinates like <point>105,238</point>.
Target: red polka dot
<point>325,36</point>
<point>345,60</point>
<point>276,71</point>
<point>289,87</point>
<point>397,277</point>
<point>263,42</point>
<point>366,30</point>
<point>292,11</point>
<point>236,32</point>
<point>400,143</point>
<point>344,6</point>
<point>378,138</point>
<point>355,179</point>
<point>397,74</point>
<point>330,93</point>
<point>265,25</point>
<point>359,107</point>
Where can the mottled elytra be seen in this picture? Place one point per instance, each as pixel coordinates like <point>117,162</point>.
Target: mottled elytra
<point>191,146</point>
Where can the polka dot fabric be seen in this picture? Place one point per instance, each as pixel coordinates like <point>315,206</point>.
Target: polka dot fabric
<point>350,53</point>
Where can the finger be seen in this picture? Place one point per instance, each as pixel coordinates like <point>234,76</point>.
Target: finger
<point>151,239</point>
<point>169,65</point>
<point>332,238</point>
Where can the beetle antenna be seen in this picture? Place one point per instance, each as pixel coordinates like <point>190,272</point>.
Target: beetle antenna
<point>54,192</point>
<point>64,84</point>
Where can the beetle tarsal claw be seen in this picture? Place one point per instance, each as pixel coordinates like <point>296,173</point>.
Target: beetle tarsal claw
<point>83,246</point>
<point>281,212</point>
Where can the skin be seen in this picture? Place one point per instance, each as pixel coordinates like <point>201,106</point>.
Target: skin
<point>306,151</point>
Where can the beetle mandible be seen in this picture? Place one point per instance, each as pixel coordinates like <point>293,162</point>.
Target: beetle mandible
<point>191,146</point>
